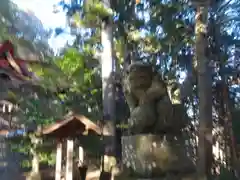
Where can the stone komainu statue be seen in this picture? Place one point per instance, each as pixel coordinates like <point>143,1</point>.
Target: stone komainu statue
<point>151,110</point>
<point>155,146</point>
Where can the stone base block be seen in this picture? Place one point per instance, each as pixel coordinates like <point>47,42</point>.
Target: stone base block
<point>34,176</point>
<point>148,155</point>
<point>170,177</point>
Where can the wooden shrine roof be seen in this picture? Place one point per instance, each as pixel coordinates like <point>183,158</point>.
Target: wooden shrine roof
<point>72,126</point>
<point>33,71</point>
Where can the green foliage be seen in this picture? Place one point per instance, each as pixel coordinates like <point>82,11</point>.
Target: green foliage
<point>36,115</point>
<point>72,64</point>
<point>160,32</point>
<point>23,145</point>
<point>93,11</point>
<point>82,70</point>
<point>50,77</point>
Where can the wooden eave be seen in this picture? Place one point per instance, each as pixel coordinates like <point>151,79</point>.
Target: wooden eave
<point>72,126</point>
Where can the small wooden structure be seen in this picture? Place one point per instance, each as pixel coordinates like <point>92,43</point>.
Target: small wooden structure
<point>69,128</point>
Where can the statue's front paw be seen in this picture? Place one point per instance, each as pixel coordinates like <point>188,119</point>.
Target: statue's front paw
<point>134,127</point>
<point>144,100</point>
<point>131,122</point>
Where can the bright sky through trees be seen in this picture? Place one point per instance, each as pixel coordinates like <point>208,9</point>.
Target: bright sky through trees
<point>43,9</point>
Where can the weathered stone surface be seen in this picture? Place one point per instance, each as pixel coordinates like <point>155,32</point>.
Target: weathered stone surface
<point>123,176</point>
<point>155,145</point>
<point>148,155</point>
<point>34,176</point>
<point>151,109</point>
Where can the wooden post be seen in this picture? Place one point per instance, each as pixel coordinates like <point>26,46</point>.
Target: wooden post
<point>81,155</point>
<point>69,163</point>
<point>58,161</point>
<point>35,163</point>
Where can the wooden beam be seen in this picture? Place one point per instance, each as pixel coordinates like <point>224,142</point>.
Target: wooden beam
<point>81,155</point>
<point>58,167</point>
<point>69,162</point>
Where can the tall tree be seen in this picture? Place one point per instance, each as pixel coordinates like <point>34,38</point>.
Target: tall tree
<point>204,91</point>
<point>108,82</point>
<point>162,33</point>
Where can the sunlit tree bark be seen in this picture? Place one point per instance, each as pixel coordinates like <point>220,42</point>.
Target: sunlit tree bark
<point>204,92</point>
<point>108,87</point>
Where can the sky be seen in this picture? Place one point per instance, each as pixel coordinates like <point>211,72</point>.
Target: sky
<point>43,9</point>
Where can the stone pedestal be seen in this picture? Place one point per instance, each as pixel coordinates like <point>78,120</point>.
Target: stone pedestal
<point>155,156</point>
<point>34,176</point>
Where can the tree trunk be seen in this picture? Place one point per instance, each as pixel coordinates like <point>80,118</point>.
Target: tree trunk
<point>108,87</point>
<point>223,97</point>
<point>205,94</point>
<point>230,141</point>
<point>35,173</point>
